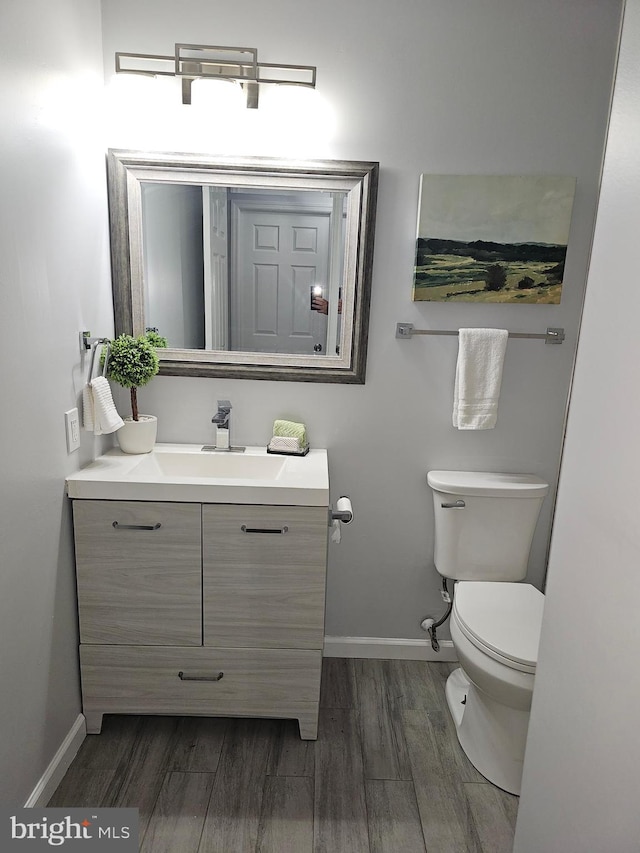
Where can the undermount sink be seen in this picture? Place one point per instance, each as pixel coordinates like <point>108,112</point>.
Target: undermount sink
<point>217,465</point>
<point>187,473</point>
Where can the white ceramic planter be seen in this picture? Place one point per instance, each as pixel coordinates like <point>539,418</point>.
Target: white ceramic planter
<point>138,436</point>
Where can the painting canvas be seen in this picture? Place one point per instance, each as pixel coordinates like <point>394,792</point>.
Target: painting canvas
<point>492,238</point>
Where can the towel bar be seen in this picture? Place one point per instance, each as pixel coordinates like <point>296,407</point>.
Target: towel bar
<point>86,341</point>
<point>551,336</point>
<point>89,343</point>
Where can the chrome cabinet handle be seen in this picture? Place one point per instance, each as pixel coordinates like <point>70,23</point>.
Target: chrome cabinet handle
<point>119,526</point>
<point>184,677</point>
<point>283,529</point>
<point>454,505</point>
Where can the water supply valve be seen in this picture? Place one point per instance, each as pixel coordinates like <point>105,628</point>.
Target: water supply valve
<point>429,625</point>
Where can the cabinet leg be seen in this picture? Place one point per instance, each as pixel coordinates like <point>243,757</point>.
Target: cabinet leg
<point>308,727</point>
<point>94,722</point>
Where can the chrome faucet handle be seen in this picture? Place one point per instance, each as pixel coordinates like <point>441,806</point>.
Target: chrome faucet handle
<point>222,420</point>
<point>223,414</point>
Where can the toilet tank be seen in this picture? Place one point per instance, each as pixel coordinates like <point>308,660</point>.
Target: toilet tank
<point>486,535</point>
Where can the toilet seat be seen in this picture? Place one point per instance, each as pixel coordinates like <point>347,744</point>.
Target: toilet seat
<point>503,620</point>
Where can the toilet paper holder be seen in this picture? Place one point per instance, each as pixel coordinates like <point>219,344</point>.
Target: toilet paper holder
<point>343,511</point>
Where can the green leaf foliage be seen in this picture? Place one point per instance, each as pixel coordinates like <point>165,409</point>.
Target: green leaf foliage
<point>156,340</point>
<point>133,361</point>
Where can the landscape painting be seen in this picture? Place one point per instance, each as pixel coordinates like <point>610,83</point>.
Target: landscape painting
<point>492,238</point>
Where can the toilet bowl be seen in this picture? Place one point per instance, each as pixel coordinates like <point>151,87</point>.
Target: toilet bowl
<point>495,629</point>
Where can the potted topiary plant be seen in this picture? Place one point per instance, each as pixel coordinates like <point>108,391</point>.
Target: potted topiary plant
<point>133,362</point>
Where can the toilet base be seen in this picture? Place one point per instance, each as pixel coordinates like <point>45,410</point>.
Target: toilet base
<point>492,735</point>
<point>456,690</point>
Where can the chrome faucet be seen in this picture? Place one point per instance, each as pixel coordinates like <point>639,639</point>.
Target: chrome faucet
<point>222,420</point>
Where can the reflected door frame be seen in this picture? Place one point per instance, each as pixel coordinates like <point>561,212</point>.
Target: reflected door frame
<point>215,227</point>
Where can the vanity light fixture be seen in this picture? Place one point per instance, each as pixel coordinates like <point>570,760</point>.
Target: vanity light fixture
<point>210,62</point>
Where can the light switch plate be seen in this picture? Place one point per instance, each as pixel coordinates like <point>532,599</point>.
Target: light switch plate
<point>72,424</point>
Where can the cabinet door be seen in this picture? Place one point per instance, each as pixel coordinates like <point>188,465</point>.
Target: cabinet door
<point>264,575</point>
<point>139,572</point>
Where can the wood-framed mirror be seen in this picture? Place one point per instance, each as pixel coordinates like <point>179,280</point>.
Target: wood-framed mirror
<point>251,268</point>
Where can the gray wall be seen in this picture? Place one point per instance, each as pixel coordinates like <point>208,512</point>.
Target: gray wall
<point>173,266</point>
<point>54,281</point>
<point>493,87</point>
<point>582,766</point>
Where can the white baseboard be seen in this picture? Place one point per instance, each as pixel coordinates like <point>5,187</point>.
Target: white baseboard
<point>58,766</point>
<point>386,648</point>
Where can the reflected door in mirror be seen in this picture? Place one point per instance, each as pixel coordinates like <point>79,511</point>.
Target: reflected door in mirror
<point>280,258</point>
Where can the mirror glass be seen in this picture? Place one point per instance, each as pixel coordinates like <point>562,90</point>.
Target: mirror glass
<point>254,268</point>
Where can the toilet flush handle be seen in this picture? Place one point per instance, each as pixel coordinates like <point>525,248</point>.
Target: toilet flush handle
<point>454,505</point>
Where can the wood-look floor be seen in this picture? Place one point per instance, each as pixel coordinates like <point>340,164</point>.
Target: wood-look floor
<point>386,774</point>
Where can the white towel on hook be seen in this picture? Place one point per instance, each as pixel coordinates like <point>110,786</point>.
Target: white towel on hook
<point>105,416</point>
<point>88,420</point>
<point>478,377</point>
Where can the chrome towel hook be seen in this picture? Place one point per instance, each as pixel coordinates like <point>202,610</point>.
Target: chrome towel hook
<point>89,343</point>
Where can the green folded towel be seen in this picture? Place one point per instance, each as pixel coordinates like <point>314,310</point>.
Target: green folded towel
<point>290,429</point>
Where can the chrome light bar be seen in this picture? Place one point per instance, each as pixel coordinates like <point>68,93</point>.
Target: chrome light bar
<point>200,61</point>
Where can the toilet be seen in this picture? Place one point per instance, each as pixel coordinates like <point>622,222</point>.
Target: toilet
<point>484,525</point>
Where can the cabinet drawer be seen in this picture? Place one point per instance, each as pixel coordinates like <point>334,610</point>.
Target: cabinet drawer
<point>147,680</point>
<point>139,572</point>
<point>264,571</point>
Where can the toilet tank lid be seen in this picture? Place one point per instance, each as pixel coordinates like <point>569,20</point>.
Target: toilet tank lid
<point>488,484</point>
<point>504,617</point>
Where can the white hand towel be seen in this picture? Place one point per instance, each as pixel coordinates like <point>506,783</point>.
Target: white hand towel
<point>478,377</point>
<point>88,420</point>
<point>106,418</point>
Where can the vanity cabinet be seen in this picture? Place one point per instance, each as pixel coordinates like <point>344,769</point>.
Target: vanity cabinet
<point>207,609</point>
<point>139,572</point>
<point>264,576</point>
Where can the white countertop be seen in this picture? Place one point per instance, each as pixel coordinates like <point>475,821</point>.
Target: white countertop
<point>162,476</point>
